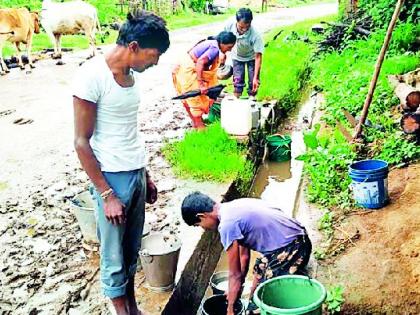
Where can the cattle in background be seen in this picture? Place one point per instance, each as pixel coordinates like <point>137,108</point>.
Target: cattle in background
<point>17,26</point>
<point>69,18</point>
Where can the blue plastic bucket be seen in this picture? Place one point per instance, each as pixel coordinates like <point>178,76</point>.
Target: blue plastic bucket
<point>370,183</point>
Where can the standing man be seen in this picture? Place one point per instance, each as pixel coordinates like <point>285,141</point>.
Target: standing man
<point>246,53</point>
<point>251,224</point>
<point>106,98</point>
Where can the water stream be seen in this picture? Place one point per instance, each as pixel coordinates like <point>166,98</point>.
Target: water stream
<point>279,183</point>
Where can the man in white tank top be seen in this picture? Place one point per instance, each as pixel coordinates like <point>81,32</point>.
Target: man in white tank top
<point>112,152</point>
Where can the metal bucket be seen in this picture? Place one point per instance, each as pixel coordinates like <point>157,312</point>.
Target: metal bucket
<point>159,258</point>
<point>146,231</point>
<point>219,283</point>
<point>83,208</point>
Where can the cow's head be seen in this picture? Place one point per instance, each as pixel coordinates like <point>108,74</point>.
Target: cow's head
<point>35,20</point>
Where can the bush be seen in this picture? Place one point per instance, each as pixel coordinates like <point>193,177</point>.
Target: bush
<point>197,5</point>
<point>326,162</point>
<point>382,10</point>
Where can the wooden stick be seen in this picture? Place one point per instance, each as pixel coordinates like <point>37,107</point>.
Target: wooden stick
<point>378,66</point>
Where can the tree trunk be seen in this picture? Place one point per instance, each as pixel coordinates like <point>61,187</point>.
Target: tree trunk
<point>408,95</point>
<point>410,123</point>
<point>348,7</point>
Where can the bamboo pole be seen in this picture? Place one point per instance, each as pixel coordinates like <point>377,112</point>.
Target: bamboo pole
<point>377,70</point>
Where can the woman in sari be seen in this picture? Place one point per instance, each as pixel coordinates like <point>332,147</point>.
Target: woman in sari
<point>198,70</point>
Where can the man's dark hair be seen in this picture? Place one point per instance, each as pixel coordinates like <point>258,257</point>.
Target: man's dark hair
<point>147,29</point>
<point>244,14</point>
<point>194,204</point>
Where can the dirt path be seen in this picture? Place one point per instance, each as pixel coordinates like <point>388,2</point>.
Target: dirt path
<point>43,267</point>
<point>381,272</point>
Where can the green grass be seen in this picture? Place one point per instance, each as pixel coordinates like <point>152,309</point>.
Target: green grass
<point>286,63</point>
<point>207,155</point>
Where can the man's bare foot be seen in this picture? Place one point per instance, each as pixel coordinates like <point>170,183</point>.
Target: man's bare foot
<point>121,305</point>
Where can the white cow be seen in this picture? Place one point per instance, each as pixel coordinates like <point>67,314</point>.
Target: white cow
<point>69,18</point>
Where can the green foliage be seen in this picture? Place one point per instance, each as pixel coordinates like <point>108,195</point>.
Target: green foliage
<point>395,149</point>
<point>344,78</point>
<point>208,155</point>
<point>289,60</point>
<point>31,4</point>
<point>326,161</point>
<point>382,10</point>
<point>197,5</point>
<point>319,254</point>
<point>334,299</point>
<point>326,223</point>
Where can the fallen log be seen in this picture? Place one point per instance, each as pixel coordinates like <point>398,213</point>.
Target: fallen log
<point>357,29</point>
<point>410,123</point>
<point>408,95</point>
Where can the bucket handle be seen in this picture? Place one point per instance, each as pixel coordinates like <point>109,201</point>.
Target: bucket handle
<point>147,258</point>
<point>306,274</point>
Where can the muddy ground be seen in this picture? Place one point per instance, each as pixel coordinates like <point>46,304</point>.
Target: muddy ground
<point>380,272</point>
<point>43,267</point>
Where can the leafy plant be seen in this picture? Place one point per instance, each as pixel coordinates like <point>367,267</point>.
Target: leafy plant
<point>326,223</point>
<point>319,254</point>
<point>395,149</point>
<point>381,11</point>
<point>326,161</point>
<point>335,299</point>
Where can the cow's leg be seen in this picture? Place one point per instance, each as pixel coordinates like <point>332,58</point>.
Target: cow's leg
<point>57,50</point>
<point>28,51</point>
<point>3,67</point>
<point>53,41</point>
<point>19,53</point>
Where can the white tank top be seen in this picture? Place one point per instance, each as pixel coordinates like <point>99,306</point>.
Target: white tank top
<point>116,142</point>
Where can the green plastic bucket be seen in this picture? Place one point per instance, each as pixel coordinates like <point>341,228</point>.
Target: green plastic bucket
<point>279,147</point>
<point>290,294</point>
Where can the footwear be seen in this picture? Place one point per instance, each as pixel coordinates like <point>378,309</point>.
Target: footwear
<point>252,308</point>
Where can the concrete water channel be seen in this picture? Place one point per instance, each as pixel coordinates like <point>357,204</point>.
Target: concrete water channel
<point>279,183</point>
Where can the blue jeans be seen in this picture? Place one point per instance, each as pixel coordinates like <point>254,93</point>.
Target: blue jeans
<point>239,76</point>
<point>120,244</point>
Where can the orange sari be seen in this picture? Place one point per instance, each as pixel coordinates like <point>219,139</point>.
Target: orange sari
<point>185,79</point>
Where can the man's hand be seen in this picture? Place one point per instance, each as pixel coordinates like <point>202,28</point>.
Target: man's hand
<point>114,210</point>
<point>255,85</point>
<point>151,191</point>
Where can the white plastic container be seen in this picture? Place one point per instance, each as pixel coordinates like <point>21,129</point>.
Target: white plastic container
<point>236,115</point>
